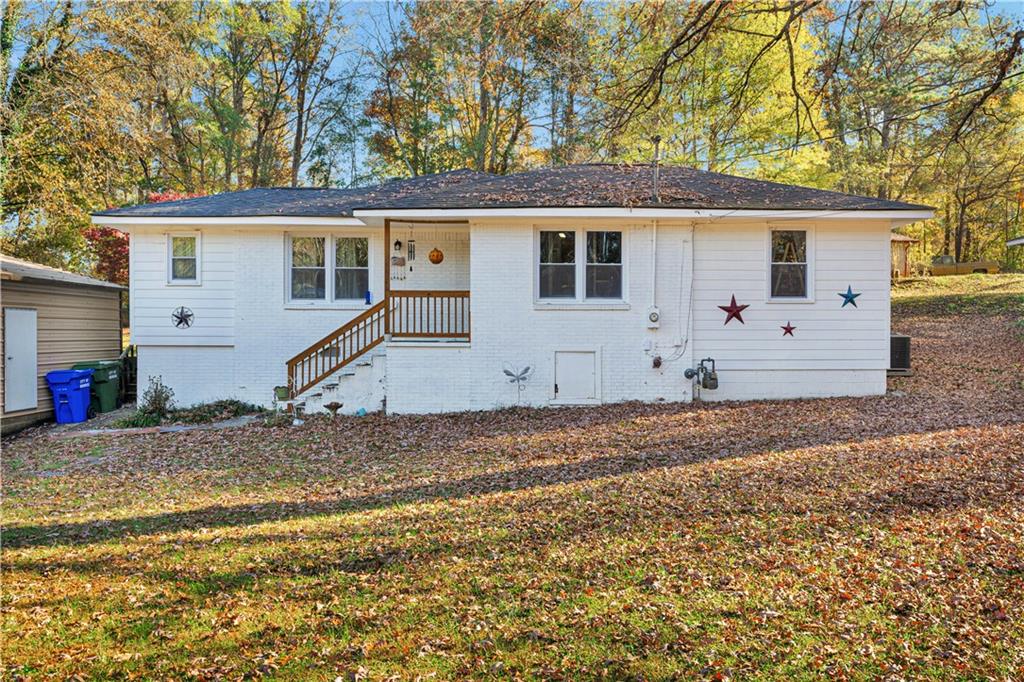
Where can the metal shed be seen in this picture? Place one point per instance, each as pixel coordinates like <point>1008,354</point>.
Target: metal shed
<point>51,320</point>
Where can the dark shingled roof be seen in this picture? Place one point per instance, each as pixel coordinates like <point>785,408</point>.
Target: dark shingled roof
<point>306,202</point>
<point>593,185</point>
<point>615,185</point>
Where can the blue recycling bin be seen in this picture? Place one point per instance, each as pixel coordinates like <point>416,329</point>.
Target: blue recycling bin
<point>71,394</point>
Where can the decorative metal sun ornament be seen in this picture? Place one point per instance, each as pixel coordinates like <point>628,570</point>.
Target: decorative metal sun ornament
<point>182,318</point>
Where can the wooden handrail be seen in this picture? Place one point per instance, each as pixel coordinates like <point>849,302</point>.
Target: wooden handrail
<point>429,314</point>
<point>337,349</point>
<point>403,314</point>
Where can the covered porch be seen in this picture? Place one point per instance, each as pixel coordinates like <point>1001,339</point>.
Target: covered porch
<point>426,283</point>
<point>426,298</point>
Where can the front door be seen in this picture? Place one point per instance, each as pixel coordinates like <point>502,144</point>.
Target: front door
<point>21,369</point>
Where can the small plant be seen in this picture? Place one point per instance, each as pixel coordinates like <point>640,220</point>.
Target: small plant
<point>218,410</point>
<point>136,421</point>
<point>158,400</point>
<point>276,420</point>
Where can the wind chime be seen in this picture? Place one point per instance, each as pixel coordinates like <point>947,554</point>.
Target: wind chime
<point>399,262</point>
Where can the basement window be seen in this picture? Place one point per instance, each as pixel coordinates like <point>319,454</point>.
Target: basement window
<point>183,258</point>
<point>789,272</point>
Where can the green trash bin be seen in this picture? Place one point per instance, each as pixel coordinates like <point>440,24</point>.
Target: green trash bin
<point>106,383</point>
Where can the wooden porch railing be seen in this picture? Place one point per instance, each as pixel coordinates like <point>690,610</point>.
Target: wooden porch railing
<point>429,314</point>
<point>336,350</point>
<point>403,314</point>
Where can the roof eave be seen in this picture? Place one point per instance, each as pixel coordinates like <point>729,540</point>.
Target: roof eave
<point>211,221</point>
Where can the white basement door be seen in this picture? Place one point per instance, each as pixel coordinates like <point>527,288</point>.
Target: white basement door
<point>575,376</point>
<point>20,361</point>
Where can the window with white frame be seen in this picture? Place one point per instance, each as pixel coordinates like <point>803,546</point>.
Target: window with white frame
<point>557,264</point>
<point>604,265</point>
<point>308,269</point>
<point>322,268</point>
<point>789,264</point>
<point>579,265</point>
<point>183,258</point>
<point>351,267</point>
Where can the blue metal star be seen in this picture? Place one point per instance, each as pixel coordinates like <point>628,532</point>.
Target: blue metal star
<point>849,297</point>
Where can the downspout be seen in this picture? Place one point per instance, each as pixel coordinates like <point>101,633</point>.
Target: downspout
<point>654,264</point>
<point>684,329</point>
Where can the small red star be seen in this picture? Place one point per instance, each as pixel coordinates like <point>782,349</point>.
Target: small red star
<point>787,329</point>
<point>734,311</point>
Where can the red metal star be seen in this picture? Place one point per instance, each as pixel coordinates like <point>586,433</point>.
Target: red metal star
<point>734,311</point>
<point>787,329</point>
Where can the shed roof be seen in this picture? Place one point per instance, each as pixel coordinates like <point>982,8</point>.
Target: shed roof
<point>902,238</point>
<point>592,185</point>
<point>12,268</point>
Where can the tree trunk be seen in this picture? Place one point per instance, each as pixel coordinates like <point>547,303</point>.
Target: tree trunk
<point>961,225</point>
<point>180,142</point>
<point>300,120</point>
<point>947,230</point>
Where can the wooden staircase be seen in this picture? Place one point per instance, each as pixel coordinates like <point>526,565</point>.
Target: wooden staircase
<point>433,315</point>
<point>325,357</point>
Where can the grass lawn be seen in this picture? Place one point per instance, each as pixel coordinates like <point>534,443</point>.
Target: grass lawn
<point>871,538</point>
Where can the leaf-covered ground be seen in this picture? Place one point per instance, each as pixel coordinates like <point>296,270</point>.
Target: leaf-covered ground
<point>874,538</point>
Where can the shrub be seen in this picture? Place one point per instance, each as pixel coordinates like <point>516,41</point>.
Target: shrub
<point>158,400</point>
<point>212,412</point>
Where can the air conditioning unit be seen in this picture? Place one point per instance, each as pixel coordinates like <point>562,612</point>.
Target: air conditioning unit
<point>899,355</point>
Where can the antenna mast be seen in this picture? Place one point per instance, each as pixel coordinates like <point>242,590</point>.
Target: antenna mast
<point>657,166</point>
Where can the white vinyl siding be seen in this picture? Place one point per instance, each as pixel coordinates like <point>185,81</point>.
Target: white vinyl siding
<point>730,260</point>
<point>154,297</point>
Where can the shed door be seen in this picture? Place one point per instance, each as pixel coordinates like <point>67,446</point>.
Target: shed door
<point>575,375</point>
<point>21,370</point>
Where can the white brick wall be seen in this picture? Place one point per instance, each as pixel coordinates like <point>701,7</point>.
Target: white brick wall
<point>197,374</point>
<point>450,273</point>
<point>835,351</point>
<point>508,328</point>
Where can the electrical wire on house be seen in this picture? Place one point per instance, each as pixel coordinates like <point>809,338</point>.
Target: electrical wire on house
<point>684,288</point>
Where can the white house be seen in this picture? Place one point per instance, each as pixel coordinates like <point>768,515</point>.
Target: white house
<point>584,284</point>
